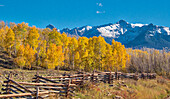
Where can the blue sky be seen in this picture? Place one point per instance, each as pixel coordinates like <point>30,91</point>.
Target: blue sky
<point>77,13</point>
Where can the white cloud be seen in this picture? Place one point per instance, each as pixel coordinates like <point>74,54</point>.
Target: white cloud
<point>2,5</point>
<point>100,4</point>
<point>98,12</point>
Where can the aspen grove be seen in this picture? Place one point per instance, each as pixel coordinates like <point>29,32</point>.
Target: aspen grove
<point>51,49</point>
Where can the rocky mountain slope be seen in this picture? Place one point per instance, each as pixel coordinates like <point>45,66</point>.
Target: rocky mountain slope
<point>131,35</point>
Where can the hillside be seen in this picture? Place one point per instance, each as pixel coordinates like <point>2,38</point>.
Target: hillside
<point>5,60</point>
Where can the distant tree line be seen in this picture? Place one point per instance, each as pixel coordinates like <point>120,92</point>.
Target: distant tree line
<point>149,60</point>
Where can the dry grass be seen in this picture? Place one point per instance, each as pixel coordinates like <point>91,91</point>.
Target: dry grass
<point>129,89</point>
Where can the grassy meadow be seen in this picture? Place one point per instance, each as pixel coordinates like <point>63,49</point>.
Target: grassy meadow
<point>158,88</point>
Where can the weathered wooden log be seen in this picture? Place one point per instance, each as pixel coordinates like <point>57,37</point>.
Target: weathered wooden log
<point>22,94</point>
<point>47,79</point>
<point>39,81</point>
<point>21,86</point>
<point>46,87</point>
<point>6,81</point>
<point>51,91</point>
<point>7,93</point>
<point>60,79</point>
<point>72,76</point>
<point>4,89</point>
<point>17,89</point>
<point>13,90</point>
<point>44,84</point>
<point>49,95</point>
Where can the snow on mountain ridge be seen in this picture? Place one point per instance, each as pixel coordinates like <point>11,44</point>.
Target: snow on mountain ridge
<point>86,28</point>
<point>126,33</point>
<point>115,30</point>
<point>167,30</point>
<point>109,31</point>
<point>137,24</point>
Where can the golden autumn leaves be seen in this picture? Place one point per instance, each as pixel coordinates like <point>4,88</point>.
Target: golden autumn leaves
<point>25,56</point>
<point>50,49</point>
<point>55,56</point>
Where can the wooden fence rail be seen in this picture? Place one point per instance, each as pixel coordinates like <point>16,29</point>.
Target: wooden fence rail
<point>22,94</point>
<point>44,86</point>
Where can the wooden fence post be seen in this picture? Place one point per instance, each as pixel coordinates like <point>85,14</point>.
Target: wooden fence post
<point>8,82</point>
<point>92,77</point>
<point>68,86</point>
<point>37,77</point>
<point>116,75</point>
<point>83,79</point>
<point>37,92</point>
<point>110,77</point>
<point>10,74</point>
<point>142,75</point>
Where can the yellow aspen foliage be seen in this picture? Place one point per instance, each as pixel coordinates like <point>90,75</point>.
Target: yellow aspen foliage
<point>82,44</point>
<point>101,50</point>
<point>55,56</point>
<point>77,59</point>
<point>6,28</point>
<point>73,45</point>
<point>102,45</point>
<point>77,56</point>
<point>45,34</point>
<point>90,58</point>
<point>50,49</point>
<point>55,37</point>
<point>29,54</point>
<point>20,31</point>
<point>43,54</point>
<point>121,55</point>
<point>20,60</point>
<point>96,57</point>
<point>32,38</point>
<point>9,40</point>
<point>21,50</point>
<point>12,24</point>
<point>2,37</point>
<point>2,24</point>
<point>109,59</point>
<point>60,56</point>
<point>64,40</point>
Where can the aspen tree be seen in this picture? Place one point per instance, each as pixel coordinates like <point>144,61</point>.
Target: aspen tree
<point>29,54</point>
<point>32,38</point>
<point>20,60</point>
<point>9,40</point>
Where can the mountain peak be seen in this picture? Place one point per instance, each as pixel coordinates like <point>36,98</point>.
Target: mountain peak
<point>151,25</point>
<point>122,22</point>
<point>50,26</point>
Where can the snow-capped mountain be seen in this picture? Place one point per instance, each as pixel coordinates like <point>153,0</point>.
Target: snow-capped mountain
<point>131,35</point>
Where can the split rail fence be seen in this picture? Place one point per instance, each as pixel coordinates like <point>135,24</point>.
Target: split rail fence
<point>65,85</point>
